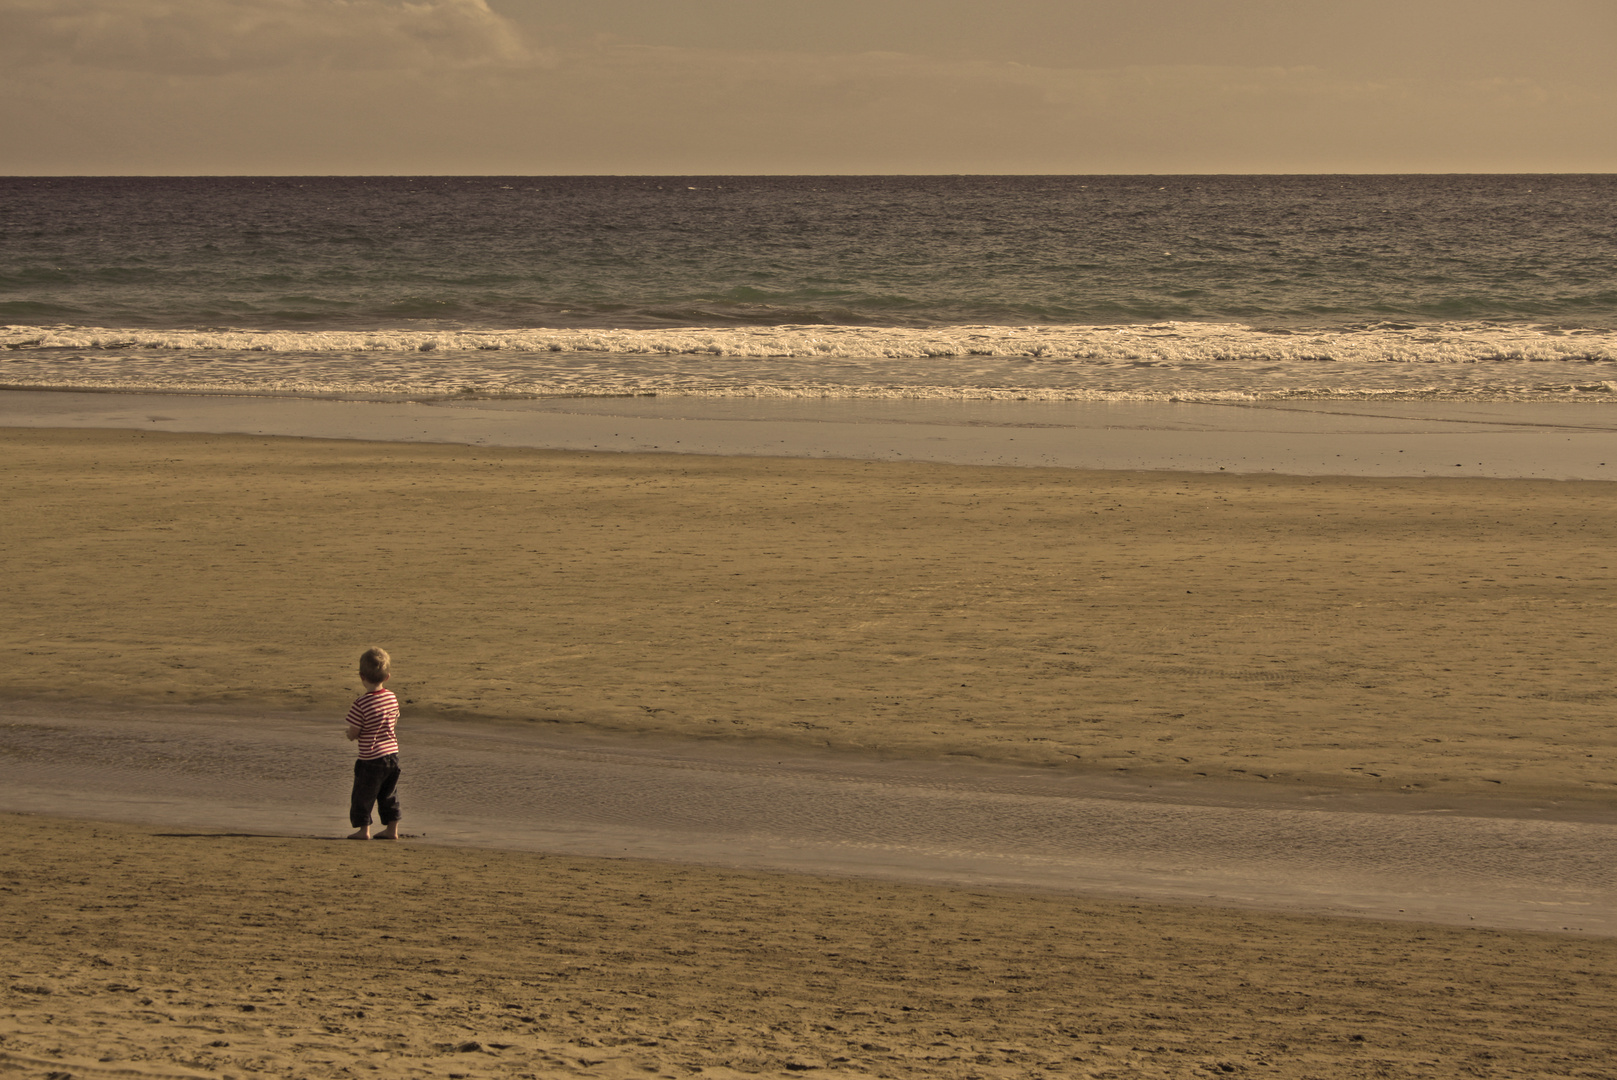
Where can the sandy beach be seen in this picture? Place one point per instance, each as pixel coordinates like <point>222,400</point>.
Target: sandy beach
<point>152,953</point>
<point>1433,638</point>
<point>1437,634</point>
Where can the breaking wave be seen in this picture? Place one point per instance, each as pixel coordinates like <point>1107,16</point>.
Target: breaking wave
<point>1180,343</point>
<point>1162,361</point>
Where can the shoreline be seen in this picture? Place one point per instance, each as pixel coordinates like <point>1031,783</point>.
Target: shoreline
<point>1561,441</point>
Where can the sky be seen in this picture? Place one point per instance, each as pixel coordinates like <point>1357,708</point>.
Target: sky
<point>737,87</point>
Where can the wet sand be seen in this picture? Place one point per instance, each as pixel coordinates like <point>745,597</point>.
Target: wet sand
<point>1545,440</point>
<point>1480,862</point>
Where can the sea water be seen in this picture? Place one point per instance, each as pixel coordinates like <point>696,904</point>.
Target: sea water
<point>1162,288</point>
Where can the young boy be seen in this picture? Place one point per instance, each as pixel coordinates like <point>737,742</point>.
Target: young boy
<point>372,723</point>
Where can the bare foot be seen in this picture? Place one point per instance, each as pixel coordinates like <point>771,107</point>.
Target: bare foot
<point>360,834</point>
<point>389,833</point>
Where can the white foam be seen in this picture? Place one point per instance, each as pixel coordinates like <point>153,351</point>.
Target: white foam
<point>1157,362</point>
<point>1172,342</point>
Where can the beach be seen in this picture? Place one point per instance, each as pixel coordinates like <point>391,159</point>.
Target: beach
<point>1433,637</point>
<point>164,953</point>
<point>1417,634</point>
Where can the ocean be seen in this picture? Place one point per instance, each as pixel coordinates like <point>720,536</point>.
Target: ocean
<point>1041,288</point>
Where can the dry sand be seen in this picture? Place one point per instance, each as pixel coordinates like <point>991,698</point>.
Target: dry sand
<point>129,952</point>
<point>1380,635</point>
<point>1435,635</point>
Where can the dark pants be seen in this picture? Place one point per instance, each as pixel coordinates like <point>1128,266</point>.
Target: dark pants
<point>374,781</point>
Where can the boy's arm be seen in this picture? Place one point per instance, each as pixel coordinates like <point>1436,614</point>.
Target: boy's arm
<point>353,733</point>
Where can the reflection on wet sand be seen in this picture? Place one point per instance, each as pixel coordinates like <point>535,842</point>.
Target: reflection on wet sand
<point>511,787</point>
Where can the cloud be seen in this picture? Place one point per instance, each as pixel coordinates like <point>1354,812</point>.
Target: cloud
<point>217,37</point>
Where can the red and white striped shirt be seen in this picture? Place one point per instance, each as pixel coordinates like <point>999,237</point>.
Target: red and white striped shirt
<point>376,716</point>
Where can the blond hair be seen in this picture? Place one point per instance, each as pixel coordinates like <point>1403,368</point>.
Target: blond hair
<point>375,666</point>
